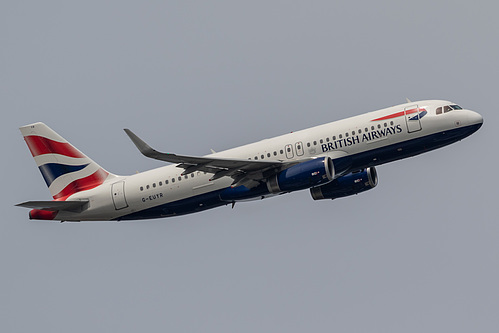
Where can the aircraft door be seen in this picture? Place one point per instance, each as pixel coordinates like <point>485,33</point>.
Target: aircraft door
<point>299,148</point>
<point>412,118</point>
<point>118,194</point>
<point>289,151</point>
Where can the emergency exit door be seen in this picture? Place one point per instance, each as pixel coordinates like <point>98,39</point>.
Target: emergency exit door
<point>118,194</point>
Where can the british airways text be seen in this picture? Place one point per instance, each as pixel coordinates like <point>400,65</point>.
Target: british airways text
<point>369,136</point>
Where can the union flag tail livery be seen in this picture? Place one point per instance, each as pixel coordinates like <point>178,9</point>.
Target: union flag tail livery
<point>333,160</point>
<point>65,169</point>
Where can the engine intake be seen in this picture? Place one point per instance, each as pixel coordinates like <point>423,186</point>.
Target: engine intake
<point>350,184</point>
<point>303,175</point>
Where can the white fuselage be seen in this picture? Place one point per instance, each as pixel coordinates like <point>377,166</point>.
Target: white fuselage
<point>366,140</point>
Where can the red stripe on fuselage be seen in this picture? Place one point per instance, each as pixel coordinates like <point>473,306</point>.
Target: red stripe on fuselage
<point>83,184</point>
<point>39,146</point>
<point>400,114</point>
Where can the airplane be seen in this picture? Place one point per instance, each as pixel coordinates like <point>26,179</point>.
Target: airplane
<point>333,160</point>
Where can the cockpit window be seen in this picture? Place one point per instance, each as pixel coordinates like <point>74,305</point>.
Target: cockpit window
<point>447,108</point>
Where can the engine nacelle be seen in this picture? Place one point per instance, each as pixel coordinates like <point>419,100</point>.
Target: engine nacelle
<point>350,184</point>
<point>303,175</point>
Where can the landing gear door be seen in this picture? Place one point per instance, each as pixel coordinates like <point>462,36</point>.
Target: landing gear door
<point>118,194</point>
<point>412,118</point>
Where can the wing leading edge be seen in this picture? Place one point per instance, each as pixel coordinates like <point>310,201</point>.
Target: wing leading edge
<point>249,173</point>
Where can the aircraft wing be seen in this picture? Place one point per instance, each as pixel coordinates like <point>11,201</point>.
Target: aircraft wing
<point>72,206</point>
<point>244,172</point>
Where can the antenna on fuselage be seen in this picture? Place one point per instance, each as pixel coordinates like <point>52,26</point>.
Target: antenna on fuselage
<point>408,100</point>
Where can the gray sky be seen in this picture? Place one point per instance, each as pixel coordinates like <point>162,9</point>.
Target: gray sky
<point>419,253</point>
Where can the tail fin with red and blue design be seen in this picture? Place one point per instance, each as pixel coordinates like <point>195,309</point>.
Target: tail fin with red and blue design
<point>66,170</point>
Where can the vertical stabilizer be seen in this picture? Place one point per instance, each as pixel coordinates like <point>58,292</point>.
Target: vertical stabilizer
<point>66,170</point>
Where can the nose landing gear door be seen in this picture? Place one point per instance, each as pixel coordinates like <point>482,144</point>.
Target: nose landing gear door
<point>413,118</point>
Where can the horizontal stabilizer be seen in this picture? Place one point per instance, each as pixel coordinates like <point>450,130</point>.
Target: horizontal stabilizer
<point>72,206</point>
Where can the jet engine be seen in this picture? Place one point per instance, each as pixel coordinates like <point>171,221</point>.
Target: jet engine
<point>350,184</point>
<point>303,175</point>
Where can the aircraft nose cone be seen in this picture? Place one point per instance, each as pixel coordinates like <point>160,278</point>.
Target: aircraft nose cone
<point>473,121</point>
<point>475,118</point>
